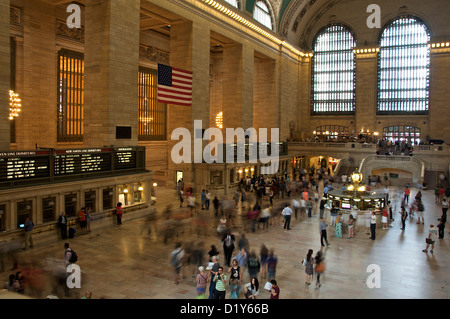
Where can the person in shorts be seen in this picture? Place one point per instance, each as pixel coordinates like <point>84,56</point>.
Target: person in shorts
<point>430,240</point>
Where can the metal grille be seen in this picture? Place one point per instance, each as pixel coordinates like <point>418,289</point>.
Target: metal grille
<point>333,71</point>
<point>152,114</point>
<point>404,67</point>
<point>70,96</point>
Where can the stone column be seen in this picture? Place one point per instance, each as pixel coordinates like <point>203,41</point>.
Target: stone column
<point>4,74</point>
<point>439,113</point>
<point>366,92</point>
<point>111,71</point>
<point>190,51</point>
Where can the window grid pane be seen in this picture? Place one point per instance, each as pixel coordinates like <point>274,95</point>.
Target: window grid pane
<point>152,114</point>
<point>333,74</point>
<point>70,96</point>
<point>262,14</point>
<point>404,68</point>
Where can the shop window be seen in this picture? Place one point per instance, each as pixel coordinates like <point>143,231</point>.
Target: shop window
<point>108,194</point>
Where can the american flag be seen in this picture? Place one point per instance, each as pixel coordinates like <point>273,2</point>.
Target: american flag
<point>174,85</point>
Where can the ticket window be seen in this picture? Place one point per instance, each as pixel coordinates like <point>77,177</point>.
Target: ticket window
<point>137,194</point>
<point>90,200</point>
<point>70,205</point>
<point>48,209</point>
<point>3,217</point>
<point>24,210</point>
<point>124,195</point>
<point>108,196</point>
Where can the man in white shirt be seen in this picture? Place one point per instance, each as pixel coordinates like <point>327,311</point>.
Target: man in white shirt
<point>287,212</point>
<point>373,225</point>
<point>432,233</point>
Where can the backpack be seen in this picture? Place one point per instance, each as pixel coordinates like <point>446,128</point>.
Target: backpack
<point>74,257</point>
<point>174,258</point>
<point>421,208</point>
<point>253,262</point>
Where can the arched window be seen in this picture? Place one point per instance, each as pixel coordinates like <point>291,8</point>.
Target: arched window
<point>234,3</point>
<point>404,67</point>
<point>333,71</point>
<point>262,14</point>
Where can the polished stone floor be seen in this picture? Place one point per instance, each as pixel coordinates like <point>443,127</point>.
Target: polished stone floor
<point>129,262</point>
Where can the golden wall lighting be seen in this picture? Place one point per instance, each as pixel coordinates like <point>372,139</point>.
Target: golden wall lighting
<point>219,120</point>
<point>155,184</point>
<point>14,105</point>
<point>366,51</point>
<point>439,45</point>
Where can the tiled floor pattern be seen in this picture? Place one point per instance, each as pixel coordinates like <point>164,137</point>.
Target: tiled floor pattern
<point>128,262</point>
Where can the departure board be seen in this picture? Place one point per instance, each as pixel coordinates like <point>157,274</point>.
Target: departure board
<point>82,161</point>
<point>24,165</point>
<point>125,158</point>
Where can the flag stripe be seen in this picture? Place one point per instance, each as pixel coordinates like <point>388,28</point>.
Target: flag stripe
<point>174,85</point>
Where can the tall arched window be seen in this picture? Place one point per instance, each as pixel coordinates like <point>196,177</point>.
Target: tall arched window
<point>333,71</point>
<point>261,13</point>
<point>234,3</point>
<point>404,67</point>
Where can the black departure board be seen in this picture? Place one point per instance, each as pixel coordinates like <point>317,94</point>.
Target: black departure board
<point>82,161</point>
<point>52,165</point>
<point>125,158</point>
<point>24,165</point>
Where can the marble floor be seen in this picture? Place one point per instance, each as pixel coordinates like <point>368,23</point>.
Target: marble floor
<point>129,262</point>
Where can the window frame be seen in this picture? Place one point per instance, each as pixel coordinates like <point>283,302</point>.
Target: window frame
<point>270,14</point>
<point>379,62</point>
<point>70,129</point>
<point>313,66</point>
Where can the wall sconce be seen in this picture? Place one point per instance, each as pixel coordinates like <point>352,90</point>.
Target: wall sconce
<point>140,187</point>
<point>125,190</point>
<point>155,184</point>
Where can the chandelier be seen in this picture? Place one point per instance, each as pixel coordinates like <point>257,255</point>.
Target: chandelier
<point>14,105</point>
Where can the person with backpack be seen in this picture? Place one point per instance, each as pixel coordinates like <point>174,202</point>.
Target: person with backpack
<point>228,246</point>
<point>70,256</point>
<point>420,210</point>
<point>253,264</point>
<point>176,261</point>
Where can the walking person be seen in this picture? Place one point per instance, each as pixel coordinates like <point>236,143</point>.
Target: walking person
<point>444,209</point>
<point>228,246</point>
<point>28,226</point>
<point>431,239</point>
<point>119,212</point>
<point>214,270</point>
<point>263,254</point>
<point>272,262</point>
<point>220,280</point>
<point>403,217</point>
<point>176,261</point>
<point>351,224</point>
<point>407,192</point>
<point>308,262</point>
<point>319,268</point>
<point>441,227</point>
<point>82,220</point>
<point>338,231</point>
<point>202,281</point>
<point>373,226</point>
<point>323,232</point>
<point>253,265</point>
<point>384,218</point>
<point>62,224</point>
<point>88,219</point>
<point>287,212</point>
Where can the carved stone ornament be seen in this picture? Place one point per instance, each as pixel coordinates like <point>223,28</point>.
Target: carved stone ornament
<point>153,54</point>
<point>74,34</point>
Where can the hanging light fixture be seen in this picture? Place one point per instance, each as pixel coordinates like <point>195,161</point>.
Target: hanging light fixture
<point>14,105</point>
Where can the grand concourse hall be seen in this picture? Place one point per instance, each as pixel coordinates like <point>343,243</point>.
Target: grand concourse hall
<point>108,101</point>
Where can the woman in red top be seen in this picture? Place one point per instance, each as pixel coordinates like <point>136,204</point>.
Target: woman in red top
<point>82,220</point>
<point>384,218</point>
<point>119,212</point>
